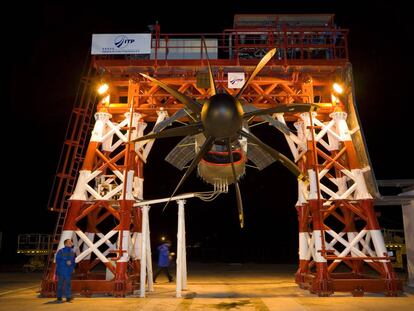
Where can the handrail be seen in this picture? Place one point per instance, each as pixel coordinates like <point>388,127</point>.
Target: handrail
<point>293,43</point>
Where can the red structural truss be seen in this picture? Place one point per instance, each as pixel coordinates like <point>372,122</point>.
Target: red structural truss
<point>340,243</point>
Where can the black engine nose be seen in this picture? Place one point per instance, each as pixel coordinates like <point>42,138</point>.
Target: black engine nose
<point>222,116</point>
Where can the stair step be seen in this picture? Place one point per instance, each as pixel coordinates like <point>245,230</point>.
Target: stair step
<point>74,147</point>
<point>62,175</point>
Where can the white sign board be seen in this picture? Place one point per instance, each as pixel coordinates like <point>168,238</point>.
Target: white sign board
<point>131,43</point>
<point>235,80</point>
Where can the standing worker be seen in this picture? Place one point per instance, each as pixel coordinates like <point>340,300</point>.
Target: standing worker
<point>164,259</point>
<point>65,263</point>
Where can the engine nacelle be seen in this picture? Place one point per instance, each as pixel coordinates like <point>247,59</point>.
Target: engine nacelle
<point>216,166</point>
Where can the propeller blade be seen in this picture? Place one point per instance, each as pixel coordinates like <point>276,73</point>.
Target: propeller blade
<point>259,67</point>
<point>238,194</point>
<point>203,150</point>
<point>213,89</point>
<point>190,129</point>
<point>291,166</point>
<point>187,101</point>
<point>276,123</point>
<point>281,109</point>
<point>239,205</point>
<point>167,122</point>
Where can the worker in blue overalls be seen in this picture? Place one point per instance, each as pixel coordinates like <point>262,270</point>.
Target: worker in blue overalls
<point>65,263</point>
<point>164,259</point>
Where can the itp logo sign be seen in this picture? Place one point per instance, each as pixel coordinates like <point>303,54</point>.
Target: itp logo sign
<point>235,80</point>
<point>122,41</point>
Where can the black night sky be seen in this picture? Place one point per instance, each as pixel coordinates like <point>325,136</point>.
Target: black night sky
<point>49,43</point>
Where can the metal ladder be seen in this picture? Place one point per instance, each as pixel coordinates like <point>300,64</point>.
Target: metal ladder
<point>72,155</point>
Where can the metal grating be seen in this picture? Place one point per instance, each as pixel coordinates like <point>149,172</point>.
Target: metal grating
<point>259,157</point>
<point>182,153</point>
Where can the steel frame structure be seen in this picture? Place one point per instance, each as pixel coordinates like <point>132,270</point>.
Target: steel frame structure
<point>337,197</point>
<point>338,228</point>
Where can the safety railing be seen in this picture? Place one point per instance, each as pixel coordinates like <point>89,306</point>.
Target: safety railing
<point>239,45</point>
<point>33,244</point>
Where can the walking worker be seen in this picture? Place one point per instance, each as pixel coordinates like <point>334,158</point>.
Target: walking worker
<point>164,260</point>
<point>65,263</point>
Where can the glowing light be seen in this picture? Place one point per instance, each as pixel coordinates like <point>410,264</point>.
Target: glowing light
<point>337,88</point>
<point>106,100</point>
<point>163,238</point>
<point>334,99</point>
<point>308,79</point>
<point>103,88</point>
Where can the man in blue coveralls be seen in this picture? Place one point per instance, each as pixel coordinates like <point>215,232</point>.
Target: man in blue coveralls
<point>164,261</point>
<point>65,263</point>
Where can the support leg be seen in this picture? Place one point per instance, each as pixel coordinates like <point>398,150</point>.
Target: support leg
<point>144,251</point>
<point>181,276</point>
<point>149,258</point>
<point>408,217</point>
<point>121,276</point>
<point>304,253</point>
<point>322,284</point>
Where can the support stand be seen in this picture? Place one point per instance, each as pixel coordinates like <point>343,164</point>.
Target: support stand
<point>146,262</point>
<point>181,276</point>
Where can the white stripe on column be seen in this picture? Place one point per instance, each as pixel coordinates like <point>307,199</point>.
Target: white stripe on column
<point>311,247</point>
<point>361,192</point>
<point>136,242</point>
<point>313,191</point>
<point>129,185</point>
<point>101,119</point>
<point>80,189</point>
<point>302,193</point>
<point>318,246</point>
<point>138,187</point>
<point>341,127</point>
<point>125,245</point>
<point>303,246</point>
<point>379,245</point>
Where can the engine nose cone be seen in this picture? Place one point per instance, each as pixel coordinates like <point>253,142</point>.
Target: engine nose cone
<point>222,116</point>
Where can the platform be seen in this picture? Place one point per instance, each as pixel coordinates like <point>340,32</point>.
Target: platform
<point>210,287</point>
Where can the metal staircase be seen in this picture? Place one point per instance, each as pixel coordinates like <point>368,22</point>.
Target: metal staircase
<point>71,157</point>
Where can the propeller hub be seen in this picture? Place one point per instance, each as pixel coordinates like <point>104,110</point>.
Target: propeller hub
<point>222,116</point>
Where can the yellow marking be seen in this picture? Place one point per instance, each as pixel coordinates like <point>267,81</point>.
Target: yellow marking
<point>302,177</point>
<point>17,290</point>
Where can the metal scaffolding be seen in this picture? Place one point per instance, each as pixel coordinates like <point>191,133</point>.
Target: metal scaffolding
<point>338,228</point>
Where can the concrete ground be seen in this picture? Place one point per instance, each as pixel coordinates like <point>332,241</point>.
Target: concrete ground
<point>210,287</point>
